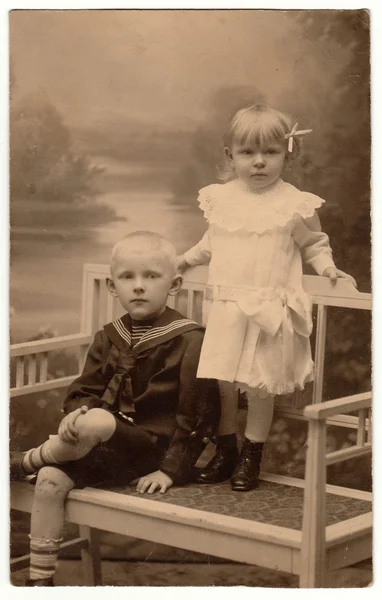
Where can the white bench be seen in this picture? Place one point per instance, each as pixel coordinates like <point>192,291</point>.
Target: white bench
<point>308,552</point>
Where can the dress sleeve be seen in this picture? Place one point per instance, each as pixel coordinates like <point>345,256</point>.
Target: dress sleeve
<point>197,415</point>
<point>313,243</point>
<point>199,254</point>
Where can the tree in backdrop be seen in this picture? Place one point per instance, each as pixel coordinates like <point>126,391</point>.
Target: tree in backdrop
<point>340,171</point>
<point>340,168</point>
<point>51,183</point>
<point>43,161</point>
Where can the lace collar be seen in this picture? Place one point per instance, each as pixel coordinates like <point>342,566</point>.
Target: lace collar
<point>234,207</point>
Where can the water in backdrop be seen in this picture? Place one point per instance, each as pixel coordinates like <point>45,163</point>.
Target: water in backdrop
<point>46,265</point>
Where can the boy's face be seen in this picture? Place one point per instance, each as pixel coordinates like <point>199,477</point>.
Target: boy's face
<point>142,281</point>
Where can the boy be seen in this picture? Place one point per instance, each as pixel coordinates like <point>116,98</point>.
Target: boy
<point>137,412</point>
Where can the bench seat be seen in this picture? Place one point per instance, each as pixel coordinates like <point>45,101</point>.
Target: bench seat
<point>261,527</point>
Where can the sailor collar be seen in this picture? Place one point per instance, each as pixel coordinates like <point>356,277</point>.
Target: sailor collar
<point>169,325</point>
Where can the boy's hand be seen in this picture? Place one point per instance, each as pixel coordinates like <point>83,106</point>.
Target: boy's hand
<point>150,483</point>
<point>334,273</point>
<point>67,430</point>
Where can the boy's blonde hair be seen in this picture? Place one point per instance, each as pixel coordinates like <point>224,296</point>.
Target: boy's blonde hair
<point>145,241</point>
<point>258,124</point>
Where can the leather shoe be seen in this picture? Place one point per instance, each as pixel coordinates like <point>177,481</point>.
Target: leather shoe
<point>220,467</point>
<point>246,475</point>
<point>16,470</point>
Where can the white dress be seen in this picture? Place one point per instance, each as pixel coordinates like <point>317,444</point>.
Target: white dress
<point>254,245</point>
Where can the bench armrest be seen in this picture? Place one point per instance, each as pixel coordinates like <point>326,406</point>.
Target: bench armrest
<point>323,410</point>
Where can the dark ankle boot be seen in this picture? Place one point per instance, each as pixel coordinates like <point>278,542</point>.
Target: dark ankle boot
<point>39,582</point>
<point>246,475</point>
<point>222,465</point>
<point>16,470</point>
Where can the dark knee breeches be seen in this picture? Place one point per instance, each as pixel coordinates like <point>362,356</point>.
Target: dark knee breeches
<point>131,452</point>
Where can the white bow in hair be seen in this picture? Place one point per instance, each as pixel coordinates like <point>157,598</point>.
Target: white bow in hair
<point>289,136</point>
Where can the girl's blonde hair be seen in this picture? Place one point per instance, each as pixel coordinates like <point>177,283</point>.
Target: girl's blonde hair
<point>258,124</point>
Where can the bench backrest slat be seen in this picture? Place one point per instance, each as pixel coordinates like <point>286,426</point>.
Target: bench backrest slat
<point>96,312</point>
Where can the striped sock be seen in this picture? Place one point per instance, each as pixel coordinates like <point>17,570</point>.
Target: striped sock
<point>43,557</point>
<point>39,457</point>
<point>34,459</point>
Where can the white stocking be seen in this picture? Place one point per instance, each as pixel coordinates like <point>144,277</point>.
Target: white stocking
<point>259,417</point>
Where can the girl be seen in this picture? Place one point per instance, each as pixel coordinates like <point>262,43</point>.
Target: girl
<point>259,317</point>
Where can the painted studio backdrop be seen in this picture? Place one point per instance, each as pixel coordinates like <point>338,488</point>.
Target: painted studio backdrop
<point>116,123</point>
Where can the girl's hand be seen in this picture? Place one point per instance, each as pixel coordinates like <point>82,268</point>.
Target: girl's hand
<point>334,274</point>
<point>150,483</point>
<point>182,264</point>
<point>67,430</point>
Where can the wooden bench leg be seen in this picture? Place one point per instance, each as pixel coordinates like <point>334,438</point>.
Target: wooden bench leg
<point>91,556</point>
<point>313,558</point>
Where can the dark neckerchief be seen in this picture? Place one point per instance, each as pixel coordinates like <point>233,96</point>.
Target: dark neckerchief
<point>168,325</point>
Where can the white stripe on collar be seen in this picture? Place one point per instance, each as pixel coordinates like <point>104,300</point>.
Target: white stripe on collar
<point>154,332</point>
<point>123,332</point>
<point>158,331</point>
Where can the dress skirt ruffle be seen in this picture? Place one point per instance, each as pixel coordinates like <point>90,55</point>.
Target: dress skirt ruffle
<point>236,349</point>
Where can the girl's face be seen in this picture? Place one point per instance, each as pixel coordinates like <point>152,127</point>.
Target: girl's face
<point>258,166</point>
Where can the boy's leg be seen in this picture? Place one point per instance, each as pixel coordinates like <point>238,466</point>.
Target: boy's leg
<point>259,421</point>
<point>93,427</point>
<point>47,524</point>
<point>224,462</point>
<point>130,452</point>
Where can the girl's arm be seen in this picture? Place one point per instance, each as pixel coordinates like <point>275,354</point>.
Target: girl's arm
<point>315,248</point>
<point>197,255</point>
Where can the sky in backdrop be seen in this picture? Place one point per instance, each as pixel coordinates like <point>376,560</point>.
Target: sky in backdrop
<point>100,67</point>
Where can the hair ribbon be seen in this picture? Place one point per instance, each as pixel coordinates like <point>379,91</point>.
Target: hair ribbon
<point>289,136</point>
